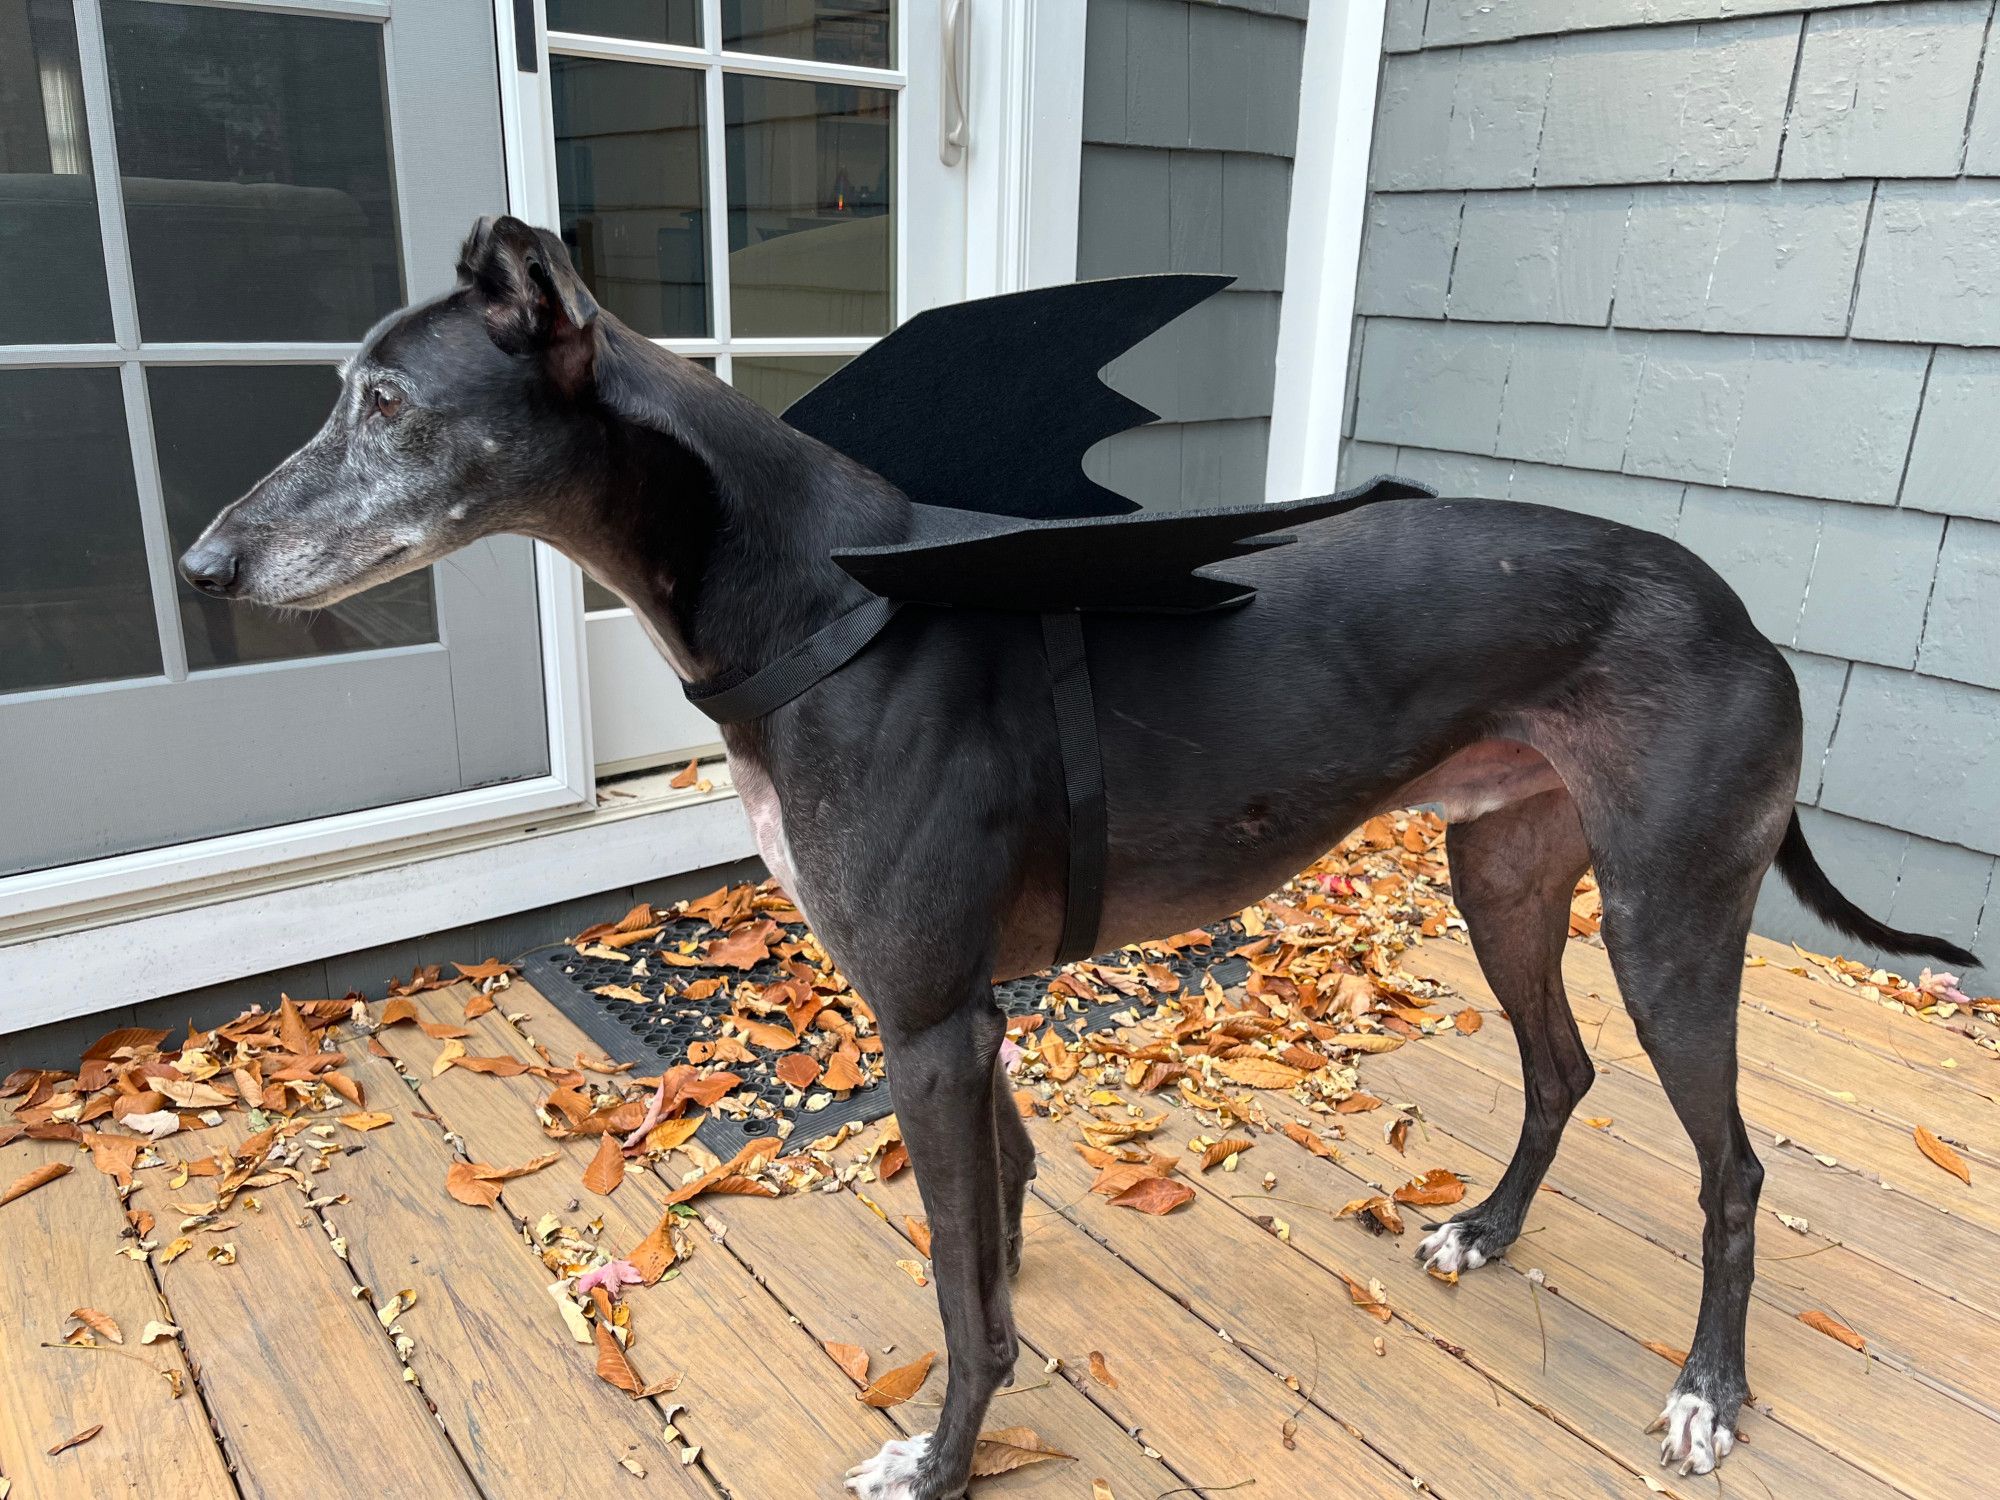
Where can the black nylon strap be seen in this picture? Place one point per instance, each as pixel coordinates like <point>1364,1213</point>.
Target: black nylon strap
<point>777,683</point>
<point>1083,782</point>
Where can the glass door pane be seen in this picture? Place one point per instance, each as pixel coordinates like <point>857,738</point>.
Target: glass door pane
<point>859,32</point>
<point>677,22</point>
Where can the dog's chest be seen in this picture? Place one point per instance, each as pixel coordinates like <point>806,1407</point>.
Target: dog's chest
<point>767,823</point>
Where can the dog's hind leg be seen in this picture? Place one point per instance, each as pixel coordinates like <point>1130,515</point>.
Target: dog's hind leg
<point>1513,872</point>
<point>945,1080</point>
<point>1677,949</point>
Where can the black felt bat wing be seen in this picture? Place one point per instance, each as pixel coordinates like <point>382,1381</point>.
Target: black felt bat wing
<point>982,412</point>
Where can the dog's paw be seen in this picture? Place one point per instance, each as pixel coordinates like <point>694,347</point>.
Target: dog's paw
<point>1695,1439</point>
<point>892,1473</point>
<point>1454,1246</point>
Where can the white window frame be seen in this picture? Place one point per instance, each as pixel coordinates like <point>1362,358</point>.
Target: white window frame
<point>1339,75</point>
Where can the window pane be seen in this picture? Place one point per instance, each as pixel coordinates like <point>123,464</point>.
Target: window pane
<point>776,381</point>
<point>255,155</point>
<point>676,21</point>
<point>219,429</point>
<point>75,602</point>
<point>856,32</point>
<point>51,258</point>
<point>811,232</point>
<point>629,174</point>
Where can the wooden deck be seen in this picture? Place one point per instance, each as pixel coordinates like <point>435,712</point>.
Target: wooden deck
<point>1226,1353</point>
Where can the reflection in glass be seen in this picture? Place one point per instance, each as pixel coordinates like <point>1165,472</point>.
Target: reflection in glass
<point>75,601</point>
<point>675,21</point>
<point>219,430</point>
<point>51,257</point>
<point>255,154</point>
<point>856,32</point>
<point>629,174</point>
<point>775,381</point>
<point>811,232</point>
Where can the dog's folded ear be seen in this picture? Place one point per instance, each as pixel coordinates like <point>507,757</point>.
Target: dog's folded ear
<point>532,298</point>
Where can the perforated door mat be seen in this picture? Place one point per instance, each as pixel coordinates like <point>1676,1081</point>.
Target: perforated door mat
<point>657,1032</point>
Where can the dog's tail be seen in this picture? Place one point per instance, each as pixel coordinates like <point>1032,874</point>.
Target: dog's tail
<point>1809,883</point>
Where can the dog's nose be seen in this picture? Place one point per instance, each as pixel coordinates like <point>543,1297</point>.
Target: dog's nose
<point>212,568</point>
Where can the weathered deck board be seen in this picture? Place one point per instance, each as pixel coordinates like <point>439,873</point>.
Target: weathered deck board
<point>521,1400</point>
<point>832,1264</point>
<point>764,1404</point>
<point>292,1364</point>
<point>58,1251</point>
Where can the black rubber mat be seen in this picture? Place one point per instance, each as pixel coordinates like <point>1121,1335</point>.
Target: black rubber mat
<point>659,1031</point>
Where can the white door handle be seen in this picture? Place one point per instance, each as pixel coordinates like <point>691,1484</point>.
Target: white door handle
<point>954,127</point>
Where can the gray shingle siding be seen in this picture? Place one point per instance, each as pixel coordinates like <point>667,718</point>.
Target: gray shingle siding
<point>1725,269</point>
<point>1190,120</point>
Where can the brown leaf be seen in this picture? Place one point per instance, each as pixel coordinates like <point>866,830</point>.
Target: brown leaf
<point>656,1253</point>
<point>852,1359</point>
<point>465,1184</point>
<point>615,1369</point>
<point>1357,1103</point>
<point>1432,1190</point>
<point>919,1231</point>
<point>607,1168</point>
<point>1367,1299</point>
<point>78,1441</point>
<point>1011,1448</point>
<point>1222,1150</point>
<point>893,1161</point>
<point>685,776</point>
<point>443,1031</point>
<point>398,1011</point>
<point>1101,1372</point>
<point>1367,1041</point>
<point>798,1070</point>
<point>1378,1208</point>
<point>1154,1195</point>
<point>842,1073</point>
<point>1259,1072</point>
<point>1833,1328</point>
<point>114,1155</point>
<point>1943,1155</point>
<point>496,1067</point>
<point>369,1120</point>
<point>1666,1351</point>
<point>477,1006</point>
<point>1313,1143</point>
<point>99,1323</point>
<point>897,1386</point>
<point>1467,1021</point>
<point>293,1032</point>
<point>42,1176</point>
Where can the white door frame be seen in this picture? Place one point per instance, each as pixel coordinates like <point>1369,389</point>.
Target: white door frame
<point>1338,77</point>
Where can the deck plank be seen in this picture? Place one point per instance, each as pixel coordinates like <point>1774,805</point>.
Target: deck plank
<point>270,1333</point>
<point>57,1252</point>
<point>520,1399</point>
<point>1598,1251</point>
<point>764,1403</point>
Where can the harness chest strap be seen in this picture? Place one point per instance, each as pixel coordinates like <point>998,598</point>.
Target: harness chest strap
<point>736,700</point>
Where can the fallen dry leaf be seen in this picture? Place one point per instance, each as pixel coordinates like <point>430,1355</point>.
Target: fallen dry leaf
<point>919,1231</point>
<point>1370,1299</point>
<point>156,1331</point>
<point>366,1120</point>
<point>656,1253</point>
<point>607,1169</point>
<point>852,1359</point>
<point>42,1176</point>
<point>78,1441</point>
<point>1666,1351</point>
<point>1313,1143</point>
<point>100,1323</point>
<point>615,1369</point>
<point>1222,1150</point>
<point>1943,1155</point>
<point>896,1386</point>
<point>1467,1021</point>
<point>685,776</point>
<point>1378,1208</point>
<point>1101,1372</point>
<point>1833,1328</point>
<point>1011,1448</point>
<point>1432,1190</point>
<point>477,1185</point>
<point>1259,1072</point>
<point>1154,1195</point>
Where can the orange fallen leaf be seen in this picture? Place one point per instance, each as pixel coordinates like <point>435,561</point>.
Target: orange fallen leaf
<point>1313,1143</point>
<point>1222,1150</point>
<point>477,1185</point>
<point>919,1231</point>
<point>1666,1351</point>
<point>852,1359</point>
<point>1833,1328</point>
<point>78,1441</point>
<point>607,1168</point>
<point>1943,1155</point>
<point>1596,1122</point>
<point>1357,1103</point>
<point>1011,1448</point>
<point>1378,1208</point>
<point>1367,1298</point>
<point>1259,1072</point>
<point>798,1070</point>
<point>478,1006</point>
<point>615,1369</point>
<point>656,1253</point>
<point>42,1176</point>
<point>1154,1195</point>
<point>685,776</point>
<point>1467,1021</point>
<point>398,1011</point>
<point>896,1386</point>
<point>1101,1372</point>
<point>367,1120</point>
<point>1367,1041</point>
<point>1432,1190</point>
<point>99,1323</point>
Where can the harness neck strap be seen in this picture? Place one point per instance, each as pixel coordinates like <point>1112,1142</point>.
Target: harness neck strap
<point>736,699</point>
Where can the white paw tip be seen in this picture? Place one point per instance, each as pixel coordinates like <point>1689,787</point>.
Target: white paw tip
<point>892,1473</point>
<point>1693,1440</point>
<point>1449,1248</point>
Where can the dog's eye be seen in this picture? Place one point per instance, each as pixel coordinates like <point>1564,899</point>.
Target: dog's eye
<point>386,401</point>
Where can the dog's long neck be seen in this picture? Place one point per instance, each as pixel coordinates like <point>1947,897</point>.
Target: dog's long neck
<point>715,520</point>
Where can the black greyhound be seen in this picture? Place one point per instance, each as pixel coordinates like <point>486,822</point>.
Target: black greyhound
<point>1571,692</point>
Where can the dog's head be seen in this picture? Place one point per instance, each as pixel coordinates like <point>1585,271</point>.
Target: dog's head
<point>459,418</point>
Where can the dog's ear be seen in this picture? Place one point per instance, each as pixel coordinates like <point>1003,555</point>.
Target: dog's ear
<point>532,299</point>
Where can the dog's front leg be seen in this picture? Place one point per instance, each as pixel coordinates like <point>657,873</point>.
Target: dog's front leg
<point>945,1081</point>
